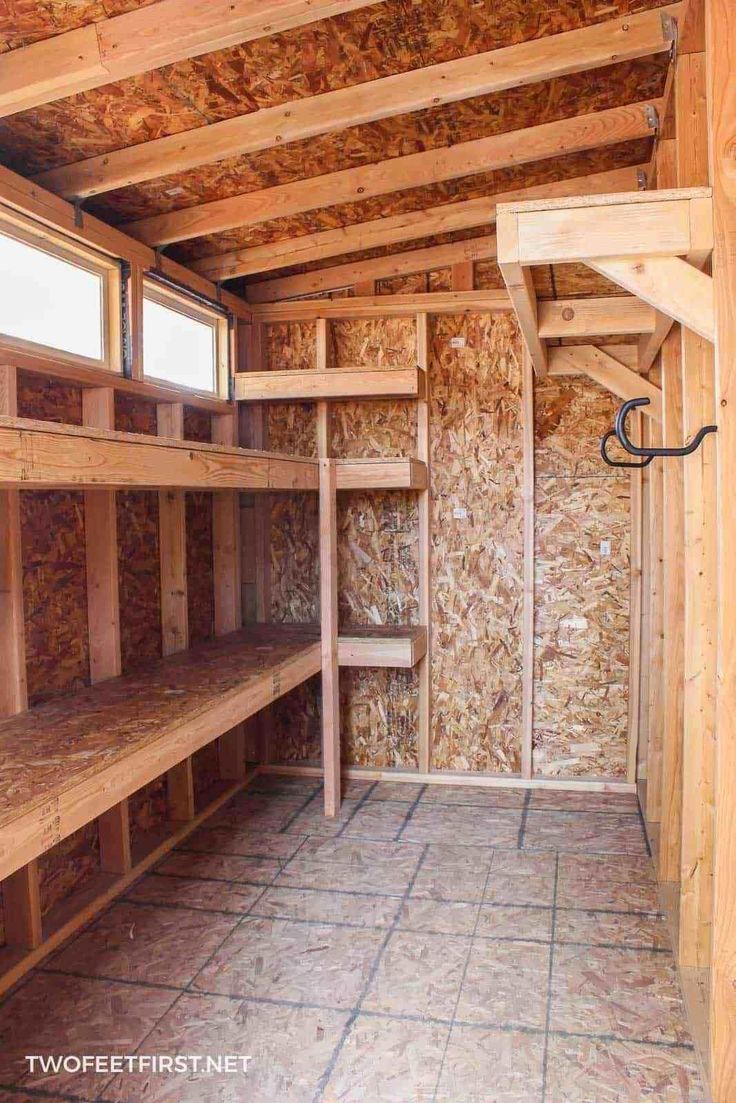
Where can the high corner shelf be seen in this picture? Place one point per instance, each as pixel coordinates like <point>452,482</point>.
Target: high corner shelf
<point>382,646</point>
<point>330,384</point>
<point>653,244</point>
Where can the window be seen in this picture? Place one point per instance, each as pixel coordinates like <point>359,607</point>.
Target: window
<point>183,341</point>
<point>57,295</point>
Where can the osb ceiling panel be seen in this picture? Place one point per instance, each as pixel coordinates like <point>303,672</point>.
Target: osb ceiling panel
<point>26,21</point>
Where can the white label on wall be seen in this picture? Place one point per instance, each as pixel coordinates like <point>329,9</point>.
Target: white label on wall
<point>605,547</point>
<point>457,342</point>
<point>460,513</point>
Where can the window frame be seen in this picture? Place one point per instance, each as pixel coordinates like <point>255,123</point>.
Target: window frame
<point>197,310</point>
<point>57,244</point>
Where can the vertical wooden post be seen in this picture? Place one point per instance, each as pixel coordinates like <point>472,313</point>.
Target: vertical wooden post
<point>180,790</point>
<point>328,606</point>
<point>645,620</point>
<point>114,828</point>
<point>323,360</point>
<point>172,543</point>
<point>527,616</point>
<point>653,809</point>
<point>634,610</point>
<point>463,276</point>
<point>13,688</point>
<point>721,56</point>
<point>424,671</point>
<point>135,307</point>
<point>22,908</point>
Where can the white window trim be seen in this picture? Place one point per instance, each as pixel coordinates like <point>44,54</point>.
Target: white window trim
<point>57,244</point>
<point>180,302</point>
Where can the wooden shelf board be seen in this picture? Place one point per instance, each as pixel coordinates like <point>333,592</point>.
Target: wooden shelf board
<point>66,762</point>
<point>382,646</point>
<point>381,474</point>
<point>44,455</point>
<point>351,382</point>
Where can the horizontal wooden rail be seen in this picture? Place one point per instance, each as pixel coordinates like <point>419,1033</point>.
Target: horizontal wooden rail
<point>286,386</point>
<point>383,306</point>
<point>381,474</point>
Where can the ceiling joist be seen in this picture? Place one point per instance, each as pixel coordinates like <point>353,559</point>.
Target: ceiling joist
<point>147,38</point>
<point>634,36</point>
<point>498,151</point>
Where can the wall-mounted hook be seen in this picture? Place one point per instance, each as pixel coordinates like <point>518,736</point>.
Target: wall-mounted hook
<point>634,450</point>
<point>619,463</point>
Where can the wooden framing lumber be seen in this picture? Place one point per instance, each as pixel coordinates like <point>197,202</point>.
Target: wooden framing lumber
<point>43,455</point>
<point>610,373</point>
<point>13,686</point>
<point>721,50</point>
<point>605,315</point>
<point>386,647</point>
<point>383,474</point>
<point>173,548</point>
<point>653,810</point>
<point>226,538</point>
<point>348,382</point>
<point>520,286</point>
<point>180,791</point>
<point>635,604</point>
<point>637,35</point>
<point>527,615</point>
<point>329,646</point>
<point>424,453</point>
<point>147,38</point>
<point>395,264</point>
<point>22,907</point>
<point>628,355</point>
<point>395,228</point>
<point>495,151</point>
<point>669,284</point>
<point>384,306</point>
<point>114,835</point>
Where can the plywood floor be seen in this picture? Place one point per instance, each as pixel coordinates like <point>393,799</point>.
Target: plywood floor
<point>435,945</point>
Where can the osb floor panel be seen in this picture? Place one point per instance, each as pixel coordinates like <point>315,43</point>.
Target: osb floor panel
<point>432,945</point>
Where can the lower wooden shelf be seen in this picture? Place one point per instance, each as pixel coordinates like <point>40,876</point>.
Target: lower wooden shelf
<point>335,383</point>
<point>382,646</point>
<point>381,474</point>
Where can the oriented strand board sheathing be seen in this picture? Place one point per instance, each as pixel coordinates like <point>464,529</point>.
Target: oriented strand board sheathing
<point>295,558</point>
<point>296,725</point>
<point>582,594</point>
<point>379,717</point>
<point>138,550</point>
<point>197,425</point>
<point>292,426</point>
<point>147,808</point>
<point>67,866</point>
<point>200,565</point>
<point>46,399</point>
<point>476,457</point>
<point>205,771</point>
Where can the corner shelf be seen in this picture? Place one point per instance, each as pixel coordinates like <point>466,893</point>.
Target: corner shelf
<point>381,474</point>
<point>340,383</point>
<point>401,647</point>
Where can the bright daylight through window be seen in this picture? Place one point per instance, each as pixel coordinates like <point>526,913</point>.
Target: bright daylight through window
<point>180,344</point>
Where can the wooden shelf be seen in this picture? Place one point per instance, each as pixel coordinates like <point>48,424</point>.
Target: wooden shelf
<point>67,762</point>
<point>289,386</point>
<point>381,474</point>
<point>382,646</point>
<point>43,455</point>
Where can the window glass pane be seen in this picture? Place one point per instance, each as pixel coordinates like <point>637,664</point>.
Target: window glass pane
<point>178,348</point>
<point>49,300</point>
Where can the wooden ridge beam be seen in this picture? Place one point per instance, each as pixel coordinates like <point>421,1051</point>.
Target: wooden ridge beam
<point>496,151</point>
<point>43,455</point>
<point>636,35</point>
<point>610,373</point>
<point>606,315</point>
<point>396,228</point>
<point>144,39</point>
<point>365,271</point>
<point>669,284</point>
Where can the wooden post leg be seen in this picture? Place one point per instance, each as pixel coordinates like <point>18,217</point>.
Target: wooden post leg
<point>180,783</point>
<point>231,754</point>
<point>424,670</point>
<point>330,669</point>
<point>13,689</point>
<point>114,828</point>
<point>22,908</point>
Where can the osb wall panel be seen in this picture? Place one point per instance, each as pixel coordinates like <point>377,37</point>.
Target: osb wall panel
<point>138,544</point>
<point>379,717</point>
<point>295,724</point>
<point>477,551</point>
<point>200,566</point>
<point>67,866</point>
<point>582,596</point>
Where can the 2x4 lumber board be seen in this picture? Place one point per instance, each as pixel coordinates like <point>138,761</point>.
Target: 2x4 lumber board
<point>22,907</point>
<point>323,363</point>
<point>424,454</point>
<point>13,684</point>
<point>101,548</point>
<point>669,284</point>
<point>286,386</point>
<point>487,154</point>
<point>611,374</point>
<point>173,546</point>
<point>527,615</point>
<point>385,306</point>
<point>661,227</point>
<point>665,173</point>
<point>114,834</point>
<point>231,754</point>
<point>361,275</point>
<point>520,286</point>
<point>509,67</point>
<point>619,315</point>
<point>43,206</point>
<point>674,615</point>
<point>130,730</point>
<point>148,38</point>
<point>628,355</point>
<point>226,538</point>
<point>381,474</point>
<point>635,603</point>
<point>329,645</point>
<point>386,647</point>
<point>180,791</point>
<point>39,455</point>
<point>395,228</point>
<point>653,810</point>
<point>721,54</point>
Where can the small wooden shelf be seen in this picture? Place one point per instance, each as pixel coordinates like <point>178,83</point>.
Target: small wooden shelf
<point>289,386</point>
<point>381,474</point>
<point>382,646</point>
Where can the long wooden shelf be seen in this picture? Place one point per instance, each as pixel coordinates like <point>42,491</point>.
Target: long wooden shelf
<point>382,646</point>
<point>65,763</point>
<point>335,383</point>
<point>381,474</point>
<point>43,455</point>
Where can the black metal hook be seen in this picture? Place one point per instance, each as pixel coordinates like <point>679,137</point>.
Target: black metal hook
<point>619,463</point>
<point>634,450</point>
